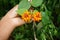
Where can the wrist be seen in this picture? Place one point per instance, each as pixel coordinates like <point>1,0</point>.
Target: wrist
<point>7,23</point>
<point>6,28</point>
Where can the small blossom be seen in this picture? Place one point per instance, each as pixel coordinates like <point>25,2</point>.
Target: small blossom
<point>36,16</point>
<point>26,16</point>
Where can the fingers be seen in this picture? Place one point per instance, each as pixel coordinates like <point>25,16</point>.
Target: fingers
<point>17,21</point>
<point>13,12</point>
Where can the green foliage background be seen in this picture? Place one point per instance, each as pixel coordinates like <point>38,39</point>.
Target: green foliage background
<point>48,29</point>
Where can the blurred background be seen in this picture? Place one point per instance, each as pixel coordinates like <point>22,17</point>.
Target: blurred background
<point>6,5</point>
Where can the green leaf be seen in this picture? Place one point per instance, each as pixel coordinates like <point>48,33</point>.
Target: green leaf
<point>58,19</point>
<point>43,37</point>
<point>35,11</point>
<point>36,3</point>
<point>24,4</point>
<point>55,32</point>
<point>21,11</point>
<point>48,12</point>
<point>45,18</point>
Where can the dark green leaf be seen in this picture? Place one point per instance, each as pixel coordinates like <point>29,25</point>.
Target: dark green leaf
<point>58,19</point>
<point>45,18</point>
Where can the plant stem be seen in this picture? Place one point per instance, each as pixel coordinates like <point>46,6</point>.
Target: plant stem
<point>51,36</point>
<point>34,31</point>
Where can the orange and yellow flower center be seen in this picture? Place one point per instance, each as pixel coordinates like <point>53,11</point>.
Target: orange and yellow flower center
<point>37,16</point>
<point>26,16</point>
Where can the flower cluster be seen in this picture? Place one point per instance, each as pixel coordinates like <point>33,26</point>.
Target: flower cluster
<point>27,16</point>
<point>36,16</point>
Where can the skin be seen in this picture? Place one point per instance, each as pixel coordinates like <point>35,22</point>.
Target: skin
<point>9,22</point>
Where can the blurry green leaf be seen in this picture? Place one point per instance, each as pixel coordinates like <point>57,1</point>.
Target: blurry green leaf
<point>50,33</point>
<point>48,12</point>
<point>36,3</point>
<point>58,19</point>
<point>45,18</point>
<point>24,4</point>
<point>18,36</point>
<point>35,11</point>
<point>55,32</point>
<point>43,37</point>
<point>51,25</point>
<point>21,11</point>
<point>51,29</point>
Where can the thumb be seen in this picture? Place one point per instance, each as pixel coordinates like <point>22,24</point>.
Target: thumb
<point>18,21</point>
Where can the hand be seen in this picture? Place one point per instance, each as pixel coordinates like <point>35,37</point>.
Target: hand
<point>9,22</point>
<point>11,18</point>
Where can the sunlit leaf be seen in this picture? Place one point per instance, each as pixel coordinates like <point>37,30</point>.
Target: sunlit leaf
<point>24,4</point>
<point>35,11</point>
<point>55,32</point>
<point>43,36</point>
<point>21,11</point>
<point>36,3</point>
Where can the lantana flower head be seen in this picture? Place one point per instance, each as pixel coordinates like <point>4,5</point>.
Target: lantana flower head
<point>36,16</point>
<point>26,16</point>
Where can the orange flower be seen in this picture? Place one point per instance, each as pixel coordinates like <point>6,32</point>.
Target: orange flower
<point>26,16</point>
<point>36,16</point>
